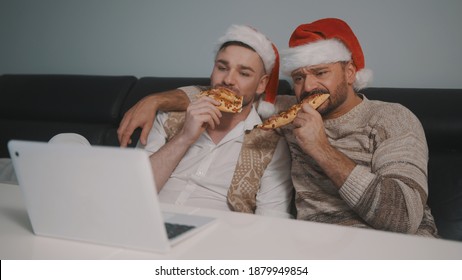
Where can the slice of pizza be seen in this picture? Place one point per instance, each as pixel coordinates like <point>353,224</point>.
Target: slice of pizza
<point>229,101</point>
<point>288,116</point>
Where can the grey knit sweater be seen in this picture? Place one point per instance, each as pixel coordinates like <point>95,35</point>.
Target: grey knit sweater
<point>387,190</point>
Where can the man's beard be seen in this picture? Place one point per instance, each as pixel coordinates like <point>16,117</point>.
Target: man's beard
<point>336,99</point>
<point>247,102</point>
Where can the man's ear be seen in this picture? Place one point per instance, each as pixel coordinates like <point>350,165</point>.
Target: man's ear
<point>262,84</point>
<point>350,73</point>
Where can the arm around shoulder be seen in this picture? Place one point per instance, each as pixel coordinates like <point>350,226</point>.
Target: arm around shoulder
<point>143,113</point>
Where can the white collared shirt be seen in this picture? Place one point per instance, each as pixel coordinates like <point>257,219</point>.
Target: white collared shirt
<point>202,178</point>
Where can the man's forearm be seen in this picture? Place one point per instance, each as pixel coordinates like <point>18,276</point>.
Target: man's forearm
<point>173,100</point>
<point>143,113</point>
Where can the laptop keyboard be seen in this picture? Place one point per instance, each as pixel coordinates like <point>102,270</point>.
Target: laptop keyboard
<point>174,230</point>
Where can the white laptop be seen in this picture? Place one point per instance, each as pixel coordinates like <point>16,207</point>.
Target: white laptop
<point>103,195</point>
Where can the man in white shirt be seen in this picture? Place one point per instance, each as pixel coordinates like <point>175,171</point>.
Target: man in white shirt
<point>210,161</point>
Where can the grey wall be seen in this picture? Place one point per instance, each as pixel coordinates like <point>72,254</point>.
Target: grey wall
<point>407,43</point>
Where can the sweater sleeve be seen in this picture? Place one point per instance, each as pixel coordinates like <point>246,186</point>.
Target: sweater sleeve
<point>391,194</point>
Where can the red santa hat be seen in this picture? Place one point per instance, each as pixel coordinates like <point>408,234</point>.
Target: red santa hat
<point>325,41</point>
<point>269,55</point>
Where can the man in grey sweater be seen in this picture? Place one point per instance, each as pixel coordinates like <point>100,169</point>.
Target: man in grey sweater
<point>355,161</point>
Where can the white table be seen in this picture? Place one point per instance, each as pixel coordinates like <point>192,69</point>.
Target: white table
<point>234,236</point>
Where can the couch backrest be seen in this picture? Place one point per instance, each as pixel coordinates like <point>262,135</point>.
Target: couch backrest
<point>37,107</point>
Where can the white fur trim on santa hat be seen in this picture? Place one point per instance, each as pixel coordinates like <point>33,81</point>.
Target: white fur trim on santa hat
<point>265,109</point>
<point>319,52</point>
<point>363,79</point>
<point>253,38</point>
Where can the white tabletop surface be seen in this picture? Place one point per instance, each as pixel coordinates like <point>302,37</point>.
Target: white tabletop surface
<point>233,236</point>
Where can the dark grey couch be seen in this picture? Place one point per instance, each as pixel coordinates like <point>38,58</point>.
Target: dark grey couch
<point>36,107</point>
